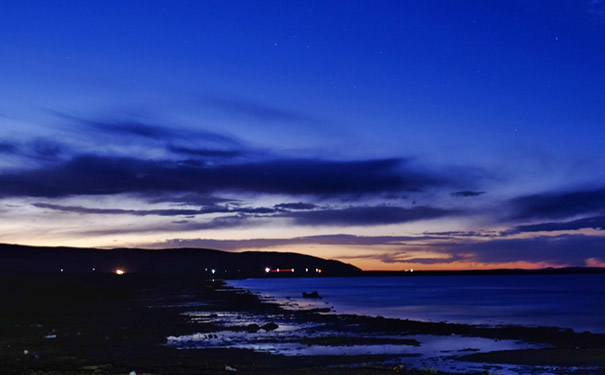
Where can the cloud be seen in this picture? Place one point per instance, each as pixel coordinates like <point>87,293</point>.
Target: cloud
<point>457,233</point>
<point>254,110</point>
<point>556,205</point>
<point>207,153</point>
<point>596,222</point>
<point>175,138</point>
<point>157,212</point>
<point>417,257</point>
<point>134,128</point>
<point>260,243</point>
<point>46,149</point>
<point>133,132</point>
<point>359,216</point>
<point>222,222</point>
<point>295,206</point>
<point>187,198</point>
<point>563,250</point>
<point>8,148</point>
<point>39,149</point>
<point>366,215</point>
<point>594,262</point>
<point>93,175</point>
<point>467,193</point>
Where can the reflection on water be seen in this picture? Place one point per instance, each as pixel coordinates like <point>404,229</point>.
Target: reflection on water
<point>289,339</point>
<point>568,301</point>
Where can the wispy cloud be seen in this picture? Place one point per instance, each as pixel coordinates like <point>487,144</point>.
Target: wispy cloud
<point>7,147</point>
<point>467,193</point>
<point>596,222</point>
<point>260,243</point>
<point>367,215</point>
<point>207,153</point>
<point>560,250</point>
<point>255,110</point>
<point>156,212</point>
<point>559,204</point>
<point>295,206</point>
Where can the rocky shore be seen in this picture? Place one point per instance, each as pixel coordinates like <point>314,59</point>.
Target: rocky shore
<point>108,324</point>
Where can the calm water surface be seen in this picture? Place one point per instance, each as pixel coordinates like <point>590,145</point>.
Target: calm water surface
<point>568,301</point>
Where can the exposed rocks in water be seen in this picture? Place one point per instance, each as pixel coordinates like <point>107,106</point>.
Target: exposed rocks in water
<point>270,326</point>
<point>314,294</point>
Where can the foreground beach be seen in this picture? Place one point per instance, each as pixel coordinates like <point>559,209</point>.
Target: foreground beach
<point>108,324</point>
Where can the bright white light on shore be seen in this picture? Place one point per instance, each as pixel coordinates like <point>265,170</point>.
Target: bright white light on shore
<point>119,272</point>
<point>412,270</point>
<point>213,271</point>
<point>267,269</point>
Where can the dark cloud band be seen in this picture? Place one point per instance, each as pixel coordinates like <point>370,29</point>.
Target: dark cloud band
<point>91,174</point>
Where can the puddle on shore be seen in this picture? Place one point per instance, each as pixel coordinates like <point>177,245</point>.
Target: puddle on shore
<point>289,338</point>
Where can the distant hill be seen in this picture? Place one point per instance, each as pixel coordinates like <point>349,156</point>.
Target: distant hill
<point>177,261</point>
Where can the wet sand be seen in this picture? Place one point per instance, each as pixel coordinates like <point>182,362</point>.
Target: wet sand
<point>108,324</point>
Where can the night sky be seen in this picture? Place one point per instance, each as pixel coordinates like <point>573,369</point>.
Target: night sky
<point>386,134</point>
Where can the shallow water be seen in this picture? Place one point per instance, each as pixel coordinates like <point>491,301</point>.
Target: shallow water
<point>564,300</point>
<point>567,301</point>
<point>434,351</point>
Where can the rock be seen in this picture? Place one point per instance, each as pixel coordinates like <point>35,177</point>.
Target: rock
<point>229,368</point>
<point>270,326</point>
<point>314,294</point>
<point>252,327</point>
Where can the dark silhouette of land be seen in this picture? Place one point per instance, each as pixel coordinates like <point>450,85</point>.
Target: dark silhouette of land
<point>86,322</point>
<point>227,265</point>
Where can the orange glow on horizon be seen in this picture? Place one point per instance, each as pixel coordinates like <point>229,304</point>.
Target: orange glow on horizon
<point>377,265</point>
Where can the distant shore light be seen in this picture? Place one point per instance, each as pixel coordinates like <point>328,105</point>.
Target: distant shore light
<point>119,272</point>
<point>267,269</point>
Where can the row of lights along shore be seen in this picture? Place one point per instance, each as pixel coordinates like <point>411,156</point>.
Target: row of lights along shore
<point>277,270</point>
<point>118,271</point>
<point>121,272</point>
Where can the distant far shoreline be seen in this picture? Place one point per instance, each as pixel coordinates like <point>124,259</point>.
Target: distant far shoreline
<point>216,264</point>
<point>540,271</point>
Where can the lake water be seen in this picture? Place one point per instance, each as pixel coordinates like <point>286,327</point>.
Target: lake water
<point>567,301</point>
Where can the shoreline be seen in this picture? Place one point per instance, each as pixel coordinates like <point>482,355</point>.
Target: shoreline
<point>108,324</point>
<point>562,347</point>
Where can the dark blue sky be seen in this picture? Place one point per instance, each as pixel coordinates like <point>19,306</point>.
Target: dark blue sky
<point>408,133</point>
